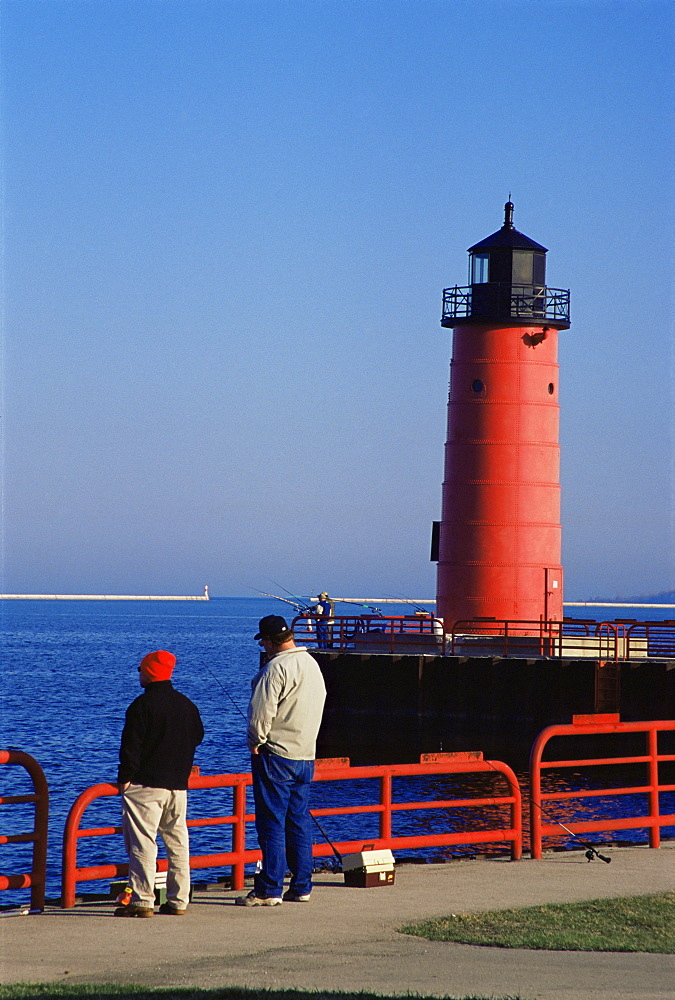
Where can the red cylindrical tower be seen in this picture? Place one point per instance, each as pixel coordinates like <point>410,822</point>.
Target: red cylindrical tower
<point>499,539</point>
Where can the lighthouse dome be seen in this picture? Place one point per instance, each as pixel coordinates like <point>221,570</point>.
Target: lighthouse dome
<point>508,236</point>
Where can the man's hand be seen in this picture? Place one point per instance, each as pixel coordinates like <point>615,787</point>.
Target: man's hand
<point>122,786</point>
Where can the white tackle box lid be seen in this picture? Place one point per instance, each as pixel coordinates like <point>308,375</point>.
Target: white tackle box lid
<point>370,860</point>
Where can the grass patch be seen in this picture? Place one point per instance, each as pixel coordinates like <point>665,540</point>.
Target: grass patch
<point>42,990</point>
<point>630,923</point>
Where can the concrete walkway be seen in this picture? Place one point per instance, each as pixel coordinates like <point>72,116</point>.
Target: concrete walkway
<point>348,939</point>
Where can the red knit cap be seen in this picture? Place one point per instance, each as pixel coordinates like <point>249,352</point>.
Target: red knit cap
<point>158,666</point>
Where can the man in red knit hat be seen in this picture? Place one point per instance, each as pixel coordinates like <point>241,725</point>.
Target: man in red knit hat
<point>162,729</point>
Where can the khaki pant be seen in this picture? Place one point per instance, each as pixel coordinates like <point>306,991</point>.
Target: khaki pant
<point>146,812</point>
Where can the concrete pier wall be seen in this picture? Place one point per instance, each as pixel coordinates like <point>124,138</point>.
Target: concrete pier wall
<point>386,708</point>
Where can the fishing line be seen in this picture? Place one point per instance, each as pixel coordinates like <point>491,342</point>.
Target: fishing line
<point>321,830</point>
<point>222,686</point>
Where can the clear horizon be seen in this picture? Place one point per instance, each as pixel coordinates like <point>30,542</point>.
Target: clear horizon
<point>617,601</point>
<point>227,227</point>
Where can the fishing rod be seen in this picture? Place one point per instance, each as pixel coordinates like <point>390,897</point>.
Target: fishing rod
<point>591,851</point>
<point>305,606</point>
<point>327,838</point>
<point>416,606</point>
<point>321,830</point>
<point>295,604</point>
<point>358,604</point>
<point>335,600</point>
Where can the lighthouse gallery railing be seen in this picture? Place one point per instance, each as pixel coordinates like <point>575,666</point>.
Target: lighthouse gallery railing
<point>504,300</point>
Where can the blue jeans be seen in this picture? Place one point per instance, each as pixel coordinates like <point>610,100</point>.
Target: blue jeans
<point>324,635</point>
<point>281,792</point>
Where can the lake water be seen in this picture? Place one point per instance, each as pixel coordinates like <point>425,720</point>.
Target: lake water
<point>69,670</point>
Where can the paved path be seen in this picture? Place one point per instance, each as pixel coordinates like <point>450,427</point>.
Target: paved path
<point>348,939</point>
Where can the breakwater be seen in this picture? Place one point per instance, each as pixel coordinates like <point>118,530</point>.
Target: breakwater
<point>103,597</point>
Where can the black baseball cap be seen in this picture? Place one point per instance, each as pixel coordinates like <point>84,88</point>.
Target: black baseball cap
<point>274,627</point>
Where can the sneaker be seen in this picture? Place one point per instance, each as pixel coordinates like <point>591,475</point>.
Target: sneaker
<point>291,896</point>
<point>253,900</point>
<point>134,910</point>
<point>171,911</point>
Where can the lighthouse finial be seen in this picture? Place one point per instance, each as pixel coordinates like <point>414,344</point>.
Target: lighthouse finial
<point>508,214</point>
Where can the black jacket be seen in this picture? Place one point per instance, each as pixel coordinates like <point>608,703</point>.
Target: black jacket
<point>161,732</point>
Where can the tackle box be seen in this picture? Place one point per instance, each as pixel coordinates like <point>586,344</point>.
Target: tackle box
<point>368,869</point>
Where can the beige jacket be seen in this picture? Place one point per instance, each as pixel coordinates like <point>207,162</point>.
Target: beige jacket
<point>286,706</point>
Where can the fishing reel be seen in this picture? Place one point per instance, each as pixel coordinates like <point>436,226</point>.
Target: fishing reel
<point>592,853</point>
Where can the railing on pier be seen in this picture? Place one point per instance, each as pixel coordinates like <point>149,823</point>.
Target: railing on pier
<point>542,819</point>
<point>659,637</point>
<point>36,878</point>
<point>571,638</point>
<point>329,770</point>
<point>393,783</point>
<point>372,633</point>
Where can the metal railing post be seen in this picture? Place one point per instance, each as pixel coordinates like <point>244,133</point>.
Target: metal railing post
<point>37,879</point>
<point>535,796</point>
<point>239,835</point>
<point>654,805</point>
<point>70,836</point>
<point>385,802</point>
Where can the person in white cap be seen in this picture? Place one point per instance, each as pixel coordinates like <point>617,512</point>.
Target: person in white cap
<point>324,626</point>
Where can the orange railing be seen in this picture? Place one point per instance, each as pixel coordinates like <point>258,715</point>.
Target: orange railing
<point>659,637</point>
<point>572,638</point>
<point>237,857</point>
<point>373,633</point>
<point>569,639</point>
<point>329,770</point>
<point>542,819</point>
<point>37,877</point>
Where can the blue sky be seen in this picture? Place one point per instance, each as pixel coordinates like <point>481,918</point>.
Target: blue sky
<point>227,227</point>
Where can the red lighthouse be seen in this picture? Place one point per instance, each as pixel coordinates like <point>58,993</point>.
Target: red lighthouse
<point>499,540</point>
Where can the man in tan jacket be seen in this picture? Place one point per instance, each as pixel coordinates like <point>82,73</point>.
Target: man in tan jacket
<point>284,716</point>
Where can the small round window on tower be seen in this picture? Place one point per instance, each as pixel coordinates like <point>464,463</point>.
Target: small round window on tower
<point>477,385</point>
<point>551,388</point>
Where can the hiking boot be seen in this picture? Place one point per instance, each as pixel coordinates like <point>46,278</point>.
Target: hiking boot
<point>134,910</point>
<point>171,911</point>
<point>291,896</point>
<point>253,900</point>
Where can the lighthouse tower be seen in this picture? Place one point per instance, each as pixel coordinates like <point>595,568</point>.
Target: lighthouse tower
<point>498,544</point>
